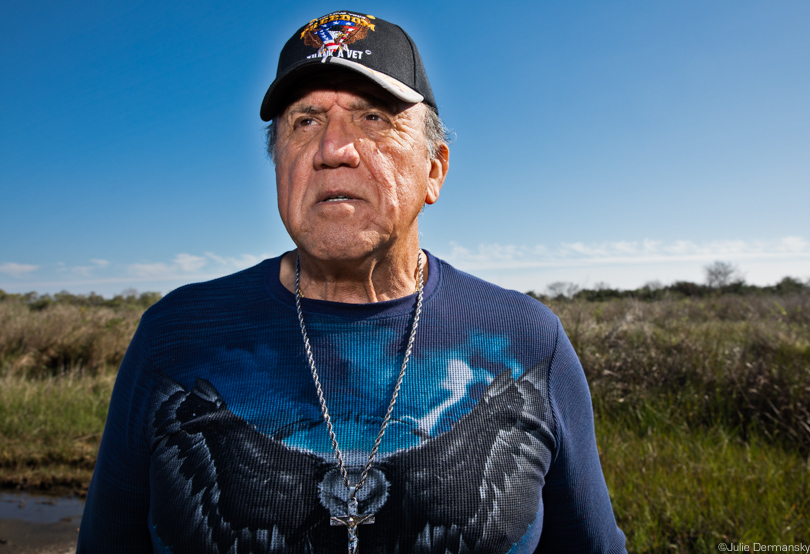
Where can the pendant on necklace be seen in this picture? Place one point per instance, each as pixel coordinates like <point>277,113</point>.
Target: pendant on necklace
<point>352,520</point>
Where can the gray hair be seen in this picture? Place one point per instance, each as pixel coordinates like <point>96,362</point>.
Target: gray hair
<point>436,134</point>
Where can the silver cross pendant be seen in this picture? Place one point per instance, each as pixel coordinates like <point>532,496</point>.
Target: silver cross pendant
<point>352,520</point>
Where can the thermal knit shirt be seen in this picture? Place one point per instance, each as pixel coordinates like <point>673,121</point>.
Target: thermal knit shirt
<point>215,439</point>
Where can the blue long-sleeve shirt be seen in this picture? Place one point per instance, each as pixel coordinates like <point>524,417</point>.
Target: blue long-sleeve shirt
<point>215,440</point>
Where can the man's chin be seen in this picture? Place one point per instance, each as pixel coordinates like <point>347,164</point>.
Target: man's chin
<point>338,248</point>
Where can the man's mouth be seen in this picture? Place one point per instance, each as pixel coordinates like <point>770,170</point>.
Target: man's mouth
<point>337,198</point>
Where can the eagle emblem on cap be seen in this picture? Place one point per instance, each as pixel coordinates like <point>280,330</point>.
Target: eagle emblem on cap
<point>336,31</point>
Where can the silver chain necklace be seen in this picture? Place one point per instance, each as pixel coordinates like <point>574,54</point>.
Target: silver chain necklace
<point>352,519</point>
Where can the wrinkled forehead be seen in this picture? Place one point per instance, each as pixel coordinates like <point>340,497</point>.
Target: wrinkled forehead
<point>343,81</point>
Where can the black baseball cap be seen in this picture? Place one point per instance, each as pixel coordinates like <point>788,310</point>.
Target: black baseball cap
<point>367,45</point>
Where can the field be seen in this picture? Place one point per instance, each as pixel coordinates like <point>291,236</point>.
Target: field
<point>702,405</point>
<point>702,416</point>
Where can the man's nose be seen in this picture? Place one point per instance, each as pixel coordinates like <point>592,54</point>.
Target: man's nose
<point>337,145</point>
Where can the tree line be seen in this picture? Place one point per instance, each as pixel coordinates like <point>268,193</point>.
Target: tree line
<point>720,278</point>
<point>127,299</point>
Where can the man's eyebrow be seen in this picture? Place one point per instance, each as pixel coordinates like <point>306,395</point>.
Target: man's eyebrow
<point>370,101</point>
<point>362,103</point>
<point>304,109</point>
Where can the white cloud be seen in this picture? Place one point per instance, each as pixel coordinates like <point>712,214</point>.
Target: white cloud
<point>87,270</point>
<point>188,263</point>
<point>793,244</point>
<point>183,265</point>
<point>102,276</point>
<point>509,256</point>
<point>153,271</point>
<point>17,270</point>
<point>241,262</point>
<point>186,267</point>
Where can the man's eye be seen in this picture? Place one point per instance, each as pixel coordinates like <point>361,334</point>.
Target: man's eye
<point>373,117</point>
<point>304,122</point>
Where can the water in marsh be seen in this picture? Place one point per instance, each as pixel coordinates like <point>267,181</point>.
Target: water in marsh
<point>35,508</point>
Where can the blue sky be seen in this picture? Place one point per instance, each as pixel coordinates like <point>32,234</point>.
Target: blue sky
<point>596,141</point>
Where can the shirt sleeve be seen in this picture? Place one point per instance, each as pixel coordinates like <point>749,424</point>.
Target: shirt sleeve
<point>117,509</point>
<point>578,516</point>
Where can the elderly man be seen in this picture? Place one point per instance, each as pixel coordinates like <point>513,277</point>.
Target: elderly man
<point>356,392</point>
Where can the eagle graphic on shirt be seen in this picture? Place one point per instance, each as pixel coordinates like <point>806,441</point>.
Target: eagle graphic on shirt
<point>217,480</point>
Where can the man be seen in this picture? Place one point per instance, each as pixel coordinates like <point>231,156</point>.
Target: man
<point>356,392</point>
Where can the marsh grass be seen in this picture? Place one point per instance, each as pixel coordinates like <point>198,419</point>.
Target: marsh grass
<point>702,416</point>
<point>51,428</point>
<point>702,408</point>
<point>739,363</point>
<point>676,490</point>
<point>57,369</point>
<point>63,338</point>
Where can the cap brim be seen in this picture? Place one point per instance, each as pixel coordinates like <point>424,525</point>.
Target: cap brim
<point>278,90</point>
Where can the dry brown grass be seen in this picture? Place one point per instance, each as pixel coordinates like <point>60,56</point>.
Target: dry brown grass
<point>61,339</point>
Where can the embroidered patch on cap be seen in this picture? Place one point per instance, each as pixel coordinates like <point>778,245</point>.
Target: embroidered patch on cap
<point>336,31</point>
<point>372,47</point>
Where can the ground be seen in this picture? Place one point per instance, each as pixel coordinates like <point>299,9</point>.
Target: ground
<point>21,537</point>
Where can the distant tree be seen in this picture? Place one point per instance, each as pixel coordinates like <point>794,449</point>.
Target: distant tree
<point>39,302</point>
<point>94,299</point>
<point>687,288</point>
<point>64,297</point>
<point>535,295</point>
<point>146,299</point>
<point>600,294</point>
<point>790,285</point>
<point>562,289</point>
<point>556,289</point>
<point>722,274</point>
<point>651,290</point>
<point>653,285</point>
<point>30,297</point>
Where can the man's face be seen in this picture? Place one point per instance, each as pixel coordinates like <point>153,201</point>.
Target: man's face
<point>353,170</point>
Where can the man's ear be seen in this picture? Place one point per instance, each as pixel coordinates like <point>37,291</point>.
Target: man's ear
<point>438,172</point>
